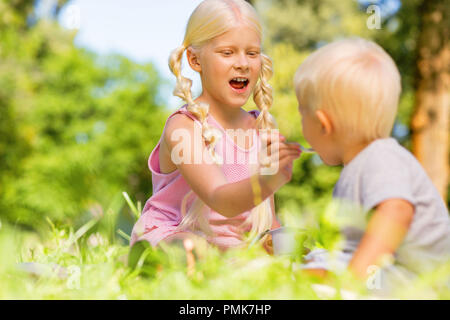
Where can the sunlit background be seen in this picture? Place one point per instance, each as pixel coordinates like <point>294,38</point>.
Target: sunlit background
<point>85,91</point>
<point>143,31</point>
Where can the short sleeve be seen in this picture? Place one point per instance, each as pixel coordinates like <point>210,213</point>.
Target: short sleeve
<point>255,113</point>
<point>386,175</point>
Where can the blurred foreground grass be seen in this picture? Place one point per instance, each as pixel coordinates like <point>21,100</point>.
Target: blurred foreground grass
<point>91,263</point>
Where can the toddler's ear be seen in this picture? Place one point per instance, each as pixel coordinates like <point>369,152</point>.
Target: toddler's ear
<point>193,59</point>
<point>325,121</point>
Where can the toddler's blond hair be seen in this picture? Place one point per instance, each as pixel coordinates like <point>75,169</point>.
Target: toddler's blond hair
<point>356,82</point>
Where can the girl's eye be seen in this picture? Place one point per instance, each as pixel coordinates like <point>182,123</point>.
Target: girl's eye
<point>226,53</point>
<point>253,53</point>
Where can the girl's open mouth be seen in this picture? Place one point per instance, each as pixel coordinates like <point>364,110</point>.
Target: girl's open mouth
<point>239,84</point>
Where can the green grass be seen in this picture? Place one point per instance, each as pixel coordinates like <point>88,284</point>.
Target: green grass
<point>91,263</point>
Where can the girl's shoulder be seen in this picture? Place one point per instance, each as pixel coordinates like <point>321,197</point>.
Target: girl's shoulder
<point>182,121</point>
<point>255,113</point>
<point>251,119</point>
<point>181,118</point>
<point>182,115</point>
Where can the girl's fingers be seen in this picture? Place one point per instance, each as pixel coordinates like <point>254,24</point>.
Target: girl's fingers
<point>278,162</point>
<point>283,142</point>
<point>293,144</point>
<point>279,146</point>
<point>284,152</point>
<point>268,138</point>
<point>275,151</point>
<point>276,159</point>
<point>287,160</point>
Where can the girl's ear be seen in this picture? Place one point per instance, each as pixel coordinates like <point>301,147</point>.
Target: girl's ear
<point>193,59</point>
<point>325,121</point>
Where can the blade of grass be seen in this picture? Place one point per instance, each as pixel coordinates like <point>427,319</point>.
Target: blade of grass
<point>82,230</point>
<point>123,235</point>
<point>139,206</point>
<point>135,211</point>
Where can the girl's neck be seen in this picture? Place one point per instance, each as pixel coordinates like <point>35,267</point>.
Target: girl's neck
<point>228,117</point>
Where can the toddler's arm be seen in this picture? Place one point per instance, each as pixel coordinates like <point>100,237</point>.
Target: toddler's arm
<point>208,181</point>
<point>385,232</point>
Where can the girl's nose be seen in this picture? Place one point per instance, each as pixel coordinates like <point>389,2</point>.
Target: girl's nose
<point>241,62</point>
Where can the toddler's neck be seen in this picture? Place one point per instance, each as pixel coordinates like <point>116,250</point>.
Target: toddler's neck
<point>351,150</point>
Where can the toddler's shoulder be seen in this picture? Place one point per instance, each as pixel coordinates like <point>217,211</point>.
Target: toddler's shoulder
<point>388,157</point>
<point>389,171</point>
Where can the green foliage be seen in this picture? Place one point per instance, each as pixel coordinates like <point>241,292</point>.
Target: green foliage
<point>305,23</point>
<point>76,129</point>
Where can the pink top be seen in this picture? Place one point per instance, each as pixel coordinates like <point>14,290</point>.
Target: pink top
<point>162,212</point>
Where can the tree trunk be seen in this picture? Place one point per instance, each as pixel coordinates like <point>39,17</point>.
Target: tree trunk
<point>430,122</point>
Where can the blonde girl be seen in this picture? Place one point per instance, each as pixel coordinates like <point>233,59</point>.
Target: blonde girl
<point>197,189</point>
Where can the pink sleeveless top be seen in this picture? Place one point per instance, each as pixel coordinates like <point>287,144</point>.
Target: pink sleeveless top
<point>162,212</point>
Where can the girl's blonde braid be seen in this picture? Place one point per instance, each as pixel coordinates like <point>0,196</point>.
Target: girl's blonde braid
<point>196,216</point>
<point>210,134</point>
<point>262,95</point>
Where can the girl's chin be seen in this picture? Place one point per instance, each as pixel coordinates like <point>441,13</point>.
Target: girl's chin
<point>237,102</point>
<point>231,100</point>
<point>240,98</point>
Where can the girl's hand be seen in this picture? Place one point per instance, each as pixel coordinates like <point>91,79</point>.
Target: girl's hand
<point>277,161</point>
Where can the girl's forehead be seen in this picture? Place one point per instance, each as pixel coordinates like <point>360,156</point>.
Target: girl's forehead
<point>241,35</point>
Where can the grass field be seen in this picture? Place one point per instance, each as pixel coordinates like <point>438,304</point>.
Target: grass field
<point>91,263</point>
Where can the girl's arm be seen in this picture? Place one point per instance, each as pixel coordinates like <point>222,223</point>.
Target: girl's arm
<point>207,179</point>
<point>384,234</point>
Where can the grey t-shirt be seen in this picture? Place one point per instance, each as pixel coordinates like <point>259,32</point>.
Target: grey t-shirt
<point>385,170</point>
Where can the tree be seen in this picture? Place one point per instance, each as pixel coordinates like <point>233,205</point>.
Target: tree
<point>431,119</point>
<point>76,128</point>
